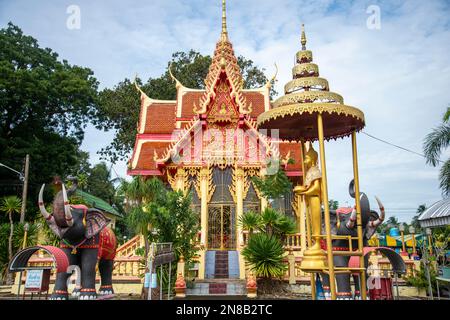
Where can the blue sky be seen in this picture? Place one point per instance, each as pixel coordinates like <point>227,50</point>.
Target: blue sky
<point>399,75</point>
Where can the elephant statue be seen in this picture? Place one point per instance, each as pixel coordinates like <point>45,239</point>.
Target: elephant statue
<point>343,222</point>
<point>85,239</point>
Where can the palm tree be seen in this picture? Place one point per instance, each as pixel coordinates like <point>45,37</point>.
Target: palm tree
<point>250,221</point>
<point>138,193</point>
<point>10,205</point>
<point>393,221</point>
<point>434,144</point>
<point>415,220</point>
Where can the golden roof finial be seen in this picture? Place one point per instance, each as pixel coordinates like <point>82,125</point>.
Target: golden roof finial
<point>177,83</point>
<point>303,40</point>
<point>224,35</point>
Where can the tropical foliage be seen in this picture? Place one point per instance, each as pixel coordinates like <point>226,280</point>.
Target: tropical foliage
<point>10,205</point>
<point>17,242</point>
<point>273,186</point>
<point>434,145</point>
<point>264,253</point>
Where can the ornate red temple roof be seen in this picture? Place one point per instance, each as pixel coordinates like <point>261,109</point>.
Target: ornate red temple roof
<point>168,128</point>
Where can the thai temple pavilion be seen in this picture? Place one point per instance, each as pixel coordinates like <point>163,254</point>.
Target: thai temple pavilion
<point>206,142</point>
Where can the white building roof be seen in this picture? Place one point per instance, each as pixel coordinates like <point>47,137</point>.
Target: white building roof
<point>437,215</point>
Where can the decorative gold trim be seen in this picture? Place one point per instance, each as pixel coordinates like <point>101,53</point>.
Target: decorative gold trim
<point>208,176</point>
<point>305,69</point>
<point>310,108</point>
<point>304,55</point>
<point>172,180</point>
<point>238,175</point>
<point>308,82</point>
<point>308,97</point>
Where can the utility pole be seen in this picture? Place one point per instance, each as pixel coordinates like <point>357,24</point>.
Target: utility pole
<point>25,189</point>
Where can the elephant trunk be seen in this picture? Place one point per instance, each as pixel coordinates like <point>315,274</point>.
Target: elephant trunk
<point>67,213</point>
<point>61,209</point>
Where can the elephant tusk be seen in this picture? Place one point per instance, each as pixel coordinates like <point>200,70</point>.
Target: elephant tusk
<point>351,221</point>
<point>378,221</point>
<point>47,216</point>
<point>67,209</point>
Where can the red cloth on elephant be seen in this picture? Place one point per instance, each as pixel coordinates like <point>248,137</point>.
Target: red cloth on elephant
<point>344,210</point>
<point>107,244</point>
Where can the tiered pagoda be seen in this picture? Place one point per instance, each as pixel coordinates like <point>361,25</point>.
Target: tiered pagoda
<point>206,142</point>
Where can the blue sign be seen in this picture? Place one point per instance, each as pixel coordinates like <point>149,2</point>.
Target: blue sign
<point>34,279</point>
<point>153,277</point>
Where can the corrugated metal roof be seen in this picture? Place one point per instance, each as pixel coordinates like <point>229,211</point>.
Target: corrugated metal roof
<point>95,202</point>
<point>438,214</point>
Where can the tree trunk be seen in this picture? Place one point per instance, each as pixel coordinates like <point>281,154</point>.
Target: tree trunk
<point>9,277</point>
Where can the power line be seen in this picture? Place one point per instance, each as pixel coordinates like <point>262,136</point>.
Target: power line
<point>397,146</point>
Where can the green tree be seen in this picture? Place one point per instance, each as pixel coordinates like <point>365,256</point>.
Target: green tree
<point>99,183</point>
<point>434,145</point>
<point>139,193</point>
<point>273,186</point>
<point>10,205</point>
<point>415,220</point>
<point>175,221</point>
<point>333,204</point>
<point>119,107</point>
<point>45,105</point>
<point>250,221</point>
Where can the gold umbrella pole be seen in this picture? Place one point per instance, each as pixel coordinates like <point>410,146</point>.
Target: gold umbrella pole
<point>326,207</point>
<point>358,216</point>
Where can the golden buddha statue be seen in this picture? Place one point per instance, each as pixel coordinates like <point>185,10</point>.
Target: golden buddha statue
<point>314,258</point>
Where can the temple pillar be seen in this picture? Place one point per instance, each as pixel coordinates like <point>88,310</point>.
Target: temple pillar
<point>180,179</point>
<point>204,181</point>
<point>263,200</point>
<point>240,180</point>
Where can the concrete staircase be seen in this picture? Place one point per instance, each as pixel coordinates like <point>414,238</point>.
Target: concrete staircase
<point>222,276</point>
<point>5,290</point>
<point>217,287</point>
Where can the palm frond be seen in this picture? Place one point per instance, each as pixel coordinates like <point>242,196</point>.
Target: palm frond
<point>444,178</point>
<point>447,115</point>
<point>435,142</point>
<point>11,204</point>
<point>264,255</point>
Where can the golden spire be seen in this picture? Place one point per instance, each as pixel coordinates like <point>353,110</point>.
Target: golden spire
<point>224,35</point>
<point>303,40</point>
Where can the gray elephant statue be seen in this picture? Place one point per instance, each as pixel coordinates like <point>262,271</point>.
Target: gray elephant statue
<point>343,222</point>
<point>85,239</point>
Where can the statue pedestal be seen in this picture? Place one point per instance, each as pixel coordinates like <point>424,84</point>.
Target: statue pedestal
<point>314,260</point>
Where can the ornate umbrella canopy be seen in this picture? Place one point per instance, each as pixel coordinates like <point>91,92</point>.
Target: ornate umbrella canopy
<point>306,96</point>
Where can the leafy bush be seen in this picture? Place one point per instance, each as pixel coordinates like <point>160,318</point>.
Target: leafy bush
<point>264,255</point>
<point>420,280</point>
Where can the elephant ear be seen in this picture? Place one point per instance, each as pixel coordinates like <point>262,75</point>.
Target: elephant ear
<point>95,222</point>
<point>365,208</point>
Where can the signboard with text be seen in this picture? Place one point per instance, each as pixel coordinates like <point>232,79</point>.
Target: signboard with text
<point>37,280</point>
